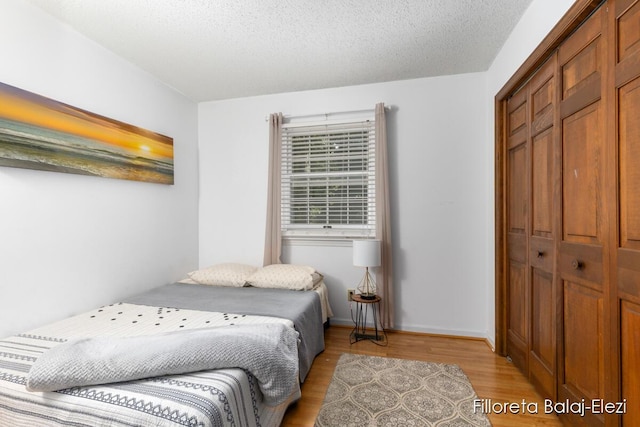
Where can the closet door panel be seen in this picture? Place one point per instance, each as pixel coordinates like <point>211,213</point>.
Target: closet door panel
<point>627,78</point>
<point>518,301</point>
<point>628,274</point>
<point>583,360</point>
<point>517,229</point>
<point>518,315</point>
<point>542,360</point>
<point>628,29</point>
<point>518,324</point>
<point>542,178</point>
<point>580,57</point>
<point>518,189</point>
<point>582,164</point>
<point>629,177</point>
<point>543,97</point>
<point>582,252</point>
<point>517,113</point>
<point>629,149</point>
<point>517,164</point>
<point>629,184</point>
<point>543,307</point>
<point>630,360</point>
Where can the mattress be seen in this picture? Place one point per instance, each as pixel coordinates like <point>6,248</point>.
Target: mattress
<point>225,397</point>
<point>320,289</point>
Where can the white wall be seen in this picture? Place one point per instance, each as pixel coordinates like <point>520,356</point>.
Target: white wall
<point>69,243</point>
<point>533,27</point>
<point>437,129</point>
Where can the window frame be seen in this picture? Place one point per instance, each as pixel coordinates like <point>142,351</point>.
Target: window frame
<point>292,232</point>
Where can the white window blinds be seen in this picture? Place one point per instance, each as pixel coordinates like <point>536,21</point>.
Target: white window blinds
<point>328,180</point>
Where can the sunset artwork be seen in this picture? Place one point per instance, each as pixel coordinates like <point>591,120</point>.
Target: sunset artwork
<point>43,134</point>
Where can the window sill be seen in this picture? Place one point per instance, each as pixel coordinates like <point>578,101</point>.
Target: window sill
<point>318,241</point>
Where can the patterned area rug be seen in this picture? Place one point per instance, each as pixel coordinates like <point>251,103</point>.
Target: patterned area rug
<point>380,391</point>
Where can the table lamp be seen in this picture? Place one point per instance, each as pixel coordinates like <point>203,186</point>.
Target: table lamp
<point>366,253</point>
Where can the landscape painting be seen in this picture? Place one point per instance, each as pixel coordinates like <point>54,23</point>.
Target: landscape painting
<point>39,133</point>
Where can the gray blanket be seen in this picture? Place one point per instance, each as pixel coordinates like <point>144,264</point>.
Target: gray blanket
<point>303,308</point>
<point>268,351</point>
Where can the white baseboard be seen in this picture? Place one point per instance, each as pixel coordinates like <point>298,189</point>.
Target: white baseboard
<point>462,333</point>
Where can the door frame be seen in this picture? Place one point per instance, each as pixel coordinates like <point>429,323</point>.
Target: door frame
<point>574,17</point>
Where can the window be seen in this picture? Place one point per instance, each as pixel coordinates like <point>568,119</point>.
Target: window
<point>328,180</point>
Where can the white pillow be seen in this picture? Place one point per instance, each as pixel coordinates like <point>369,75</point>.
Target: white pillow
<point>285,276</point>
<point>227,274</point>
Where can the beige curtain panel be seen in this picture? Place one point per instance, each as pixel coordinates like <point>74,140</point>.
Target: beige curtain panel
<point>384,276</point>
<point>273,237</point>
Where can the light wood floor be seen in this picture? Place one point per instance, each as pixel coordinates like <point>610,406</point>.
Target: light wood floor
<point>491,376</point>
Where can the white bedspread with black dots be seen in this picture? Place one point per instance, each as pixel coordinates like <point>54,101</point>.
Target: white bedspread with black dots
<point>124,319</point>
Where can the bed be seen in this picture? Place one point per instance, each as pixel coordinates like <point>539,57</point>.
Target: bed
<point>226,396</point>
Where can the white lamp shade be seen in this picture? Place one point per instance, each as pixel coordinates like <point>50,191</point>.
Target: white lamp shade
<point>366,253</point>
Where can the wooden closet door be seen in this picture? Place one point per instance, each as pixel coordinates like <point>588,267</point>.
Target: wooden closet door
<point>543,137</point>
<point>626,23</point>
<point>517,229</point>
<point>582,265</point>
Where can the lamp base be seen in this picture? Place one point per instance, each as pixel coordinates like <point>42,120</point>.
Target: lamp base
<point>367,287</point>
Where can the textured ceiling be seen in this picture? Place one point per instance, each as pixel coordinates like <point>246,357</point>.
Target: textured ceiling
<point>220,49</point>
